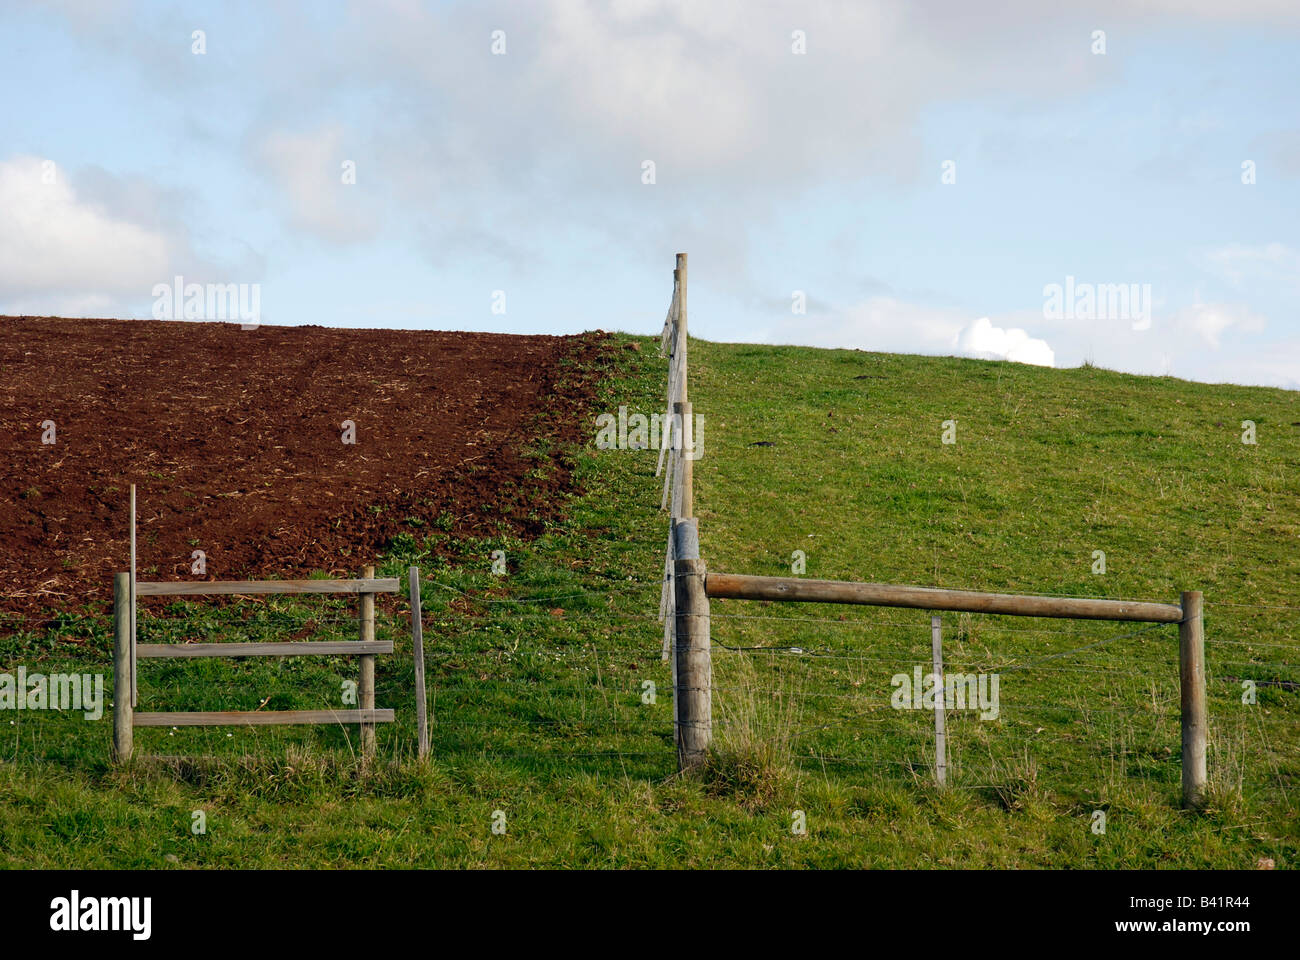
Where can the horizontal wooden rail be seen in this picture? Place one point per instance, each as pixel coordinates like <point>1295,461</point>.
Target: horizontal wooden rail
<point>736,586</point>
<point>214,588</point>
<point>260,718</point>
<point>327,648</point>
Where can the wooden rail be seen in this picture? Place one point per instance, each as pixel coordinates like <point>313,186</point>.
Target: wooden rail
<point>309,648</point>
<point>736,586</point>
<point>259,718</point>
<point>247,588</point>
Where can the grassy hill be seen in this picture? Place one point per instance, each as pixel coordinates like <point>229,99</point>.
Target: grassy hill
<point>538,679</point>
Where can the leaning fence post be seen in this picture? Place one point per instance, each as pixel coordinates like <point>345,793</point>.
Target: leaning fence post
<point>1191,663</point>
<point>122,679</point>
<point>692,694</point>
<point>366,688</point>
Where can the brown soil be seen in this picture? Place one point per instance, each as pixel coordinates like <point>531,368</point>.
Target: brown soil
<point>234,441</point>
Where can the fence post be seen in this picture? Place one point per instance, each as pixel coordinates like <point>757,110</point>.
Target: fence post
<point>366,688</point>
<point>123,681</point>
<point>417,641</point>
<point>1191,664</point>
<point>680,274</point>
<point>692,694</point>
<point>940,703</point>
<point>132,587</point>
<point>685,496</point>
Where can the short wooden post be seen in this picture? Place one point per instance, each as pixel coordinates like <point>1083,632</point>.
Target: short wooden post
<point>681,536</point>
<point>123,730</point>
<point>1191,663</point>
<point>940,703</point>
<point>693,682</point>
<point>366,688</point>
<point>417,641</point>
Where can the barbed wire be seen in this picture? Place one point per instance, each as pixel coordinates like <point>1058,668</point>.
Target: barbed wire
<point>1250,663</point>
<point>1210,642</point>
<point>905,624</point>
<point>607,722</point>
<point>1269,681</point>
<point>1256,606</point>
<point>924,660</point>
<point>636,585</point>
<point>1088,646</point>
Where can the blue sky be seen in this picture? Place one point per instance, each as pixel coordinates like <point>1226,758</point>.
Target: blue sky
<point>818,172</point>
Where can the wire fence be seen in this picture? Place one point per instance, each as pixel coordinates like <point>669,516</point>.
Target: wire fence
<point>1087,716</point>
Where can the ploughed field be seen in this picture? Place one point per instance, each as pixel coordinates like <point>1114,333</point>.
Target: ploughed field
<point>235,440</point>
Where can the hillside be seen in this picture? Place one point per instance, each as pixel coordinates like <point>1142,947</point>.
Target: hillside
<point>538,679</point>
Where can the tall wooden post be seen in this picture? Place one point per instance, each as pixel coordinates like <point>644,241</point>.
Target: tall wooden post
<point>1191,663</point>
<point>682,414</point>
<point>940,703</point>
<point>417,641</point>
<point>680,274</point>
<point>366,688</point>
<point>133,617</point>
<point>123,732</point>
<point>693,683</point>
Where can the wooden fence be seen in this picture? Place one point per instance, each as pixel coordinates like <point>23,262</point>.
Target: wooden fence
<point>677,497</point>
<point>126,652</point>
<point>682,604</point>
<point>689,586</point>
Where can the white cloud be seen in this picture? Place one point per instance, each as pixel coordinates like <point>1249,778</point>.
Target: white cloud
<point>891,325</point>
<point>710,91</point>
<point>91,243</point>
<point>982,339</point>
<point>1239,262</point>
<point>880,323</point>
<point>71,254</point>
<point>520,160</point>
<point>1210,320</point>
<point>308,170</point>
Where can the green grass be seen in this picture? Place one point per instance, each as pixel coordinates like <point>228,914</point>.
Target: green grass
<point>537,679</point>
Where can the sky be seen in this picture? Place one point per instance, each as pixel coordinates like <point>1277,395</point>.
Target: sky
<point>1050,183</point>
